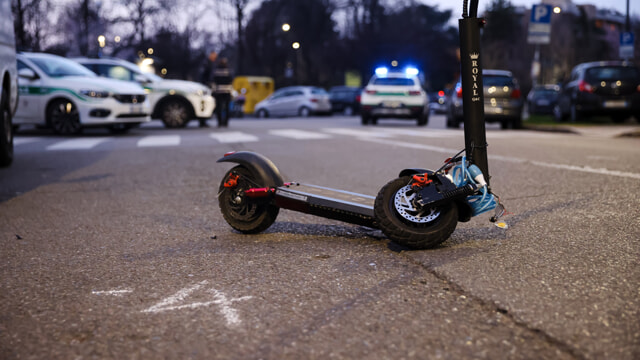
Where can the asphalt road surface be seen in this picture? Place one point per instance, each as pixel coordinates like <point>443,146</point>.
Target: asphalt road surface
<point>113,247</point>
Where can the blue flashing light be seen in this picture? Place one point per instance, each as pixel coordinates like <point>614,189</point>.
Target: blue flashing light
<point>382,71</point>
<point>411,71</point>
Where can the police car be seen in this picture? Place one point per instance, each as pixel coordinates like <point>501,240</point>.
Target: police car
<point>175,102</point>
<point>61,94</point>
<point>394,94</point>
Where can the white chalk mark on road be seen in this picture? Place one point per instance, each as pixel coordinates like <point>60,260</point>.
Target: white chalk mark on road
<point>112,292</point>
<point>176,302</point>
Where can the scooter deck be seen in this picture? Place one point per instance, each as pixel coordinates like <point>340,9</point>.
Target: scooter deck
<point>329,203</point>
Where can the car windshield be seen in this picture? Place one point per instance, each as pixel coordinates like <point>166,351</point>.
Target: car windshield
<point>393,81</point>
<point>612,73</point>
<point>497,80</point>
<point>59,67</point>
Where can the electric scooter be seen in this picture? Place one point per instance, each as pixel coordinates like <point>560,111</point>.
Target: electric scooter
<point>420,209</point>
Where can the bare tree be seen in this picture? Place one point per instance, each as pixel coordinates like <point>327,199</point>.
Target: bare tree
<point>31,23</point>
<point>139,14</point>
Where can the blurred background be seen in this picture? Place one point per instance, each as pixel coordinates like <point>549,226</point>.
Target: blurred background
<point>320,42</point>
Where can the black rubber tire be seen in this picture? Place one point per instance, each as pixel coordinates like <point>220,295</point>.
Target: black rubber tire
<point>304,112</point>
<point>423,120</point>
<point>6,131</point>
<point>365,119</point>
<point>576,116</point>
<point>413,235</point>
<point>63,117</point>
<point>175,114</point>
<point>262,114</point>
<point>247,215</point>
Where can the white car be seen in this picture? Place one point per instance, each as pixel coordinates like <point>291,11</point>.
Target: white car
<point>394,94</point>
<point>295,101</point>
<point>59,93</point>
<point>175,102</point>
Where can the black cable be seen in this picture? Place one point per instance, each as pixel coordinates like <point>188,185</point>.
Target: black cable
<point>473,10</point>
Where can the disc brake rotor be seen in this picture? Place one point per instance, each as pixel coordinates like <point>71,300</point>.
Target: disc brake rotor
<point>404,206</point>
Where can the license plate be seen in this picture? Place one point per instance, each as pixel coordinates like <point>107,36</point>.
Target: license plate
<point>392,104</point>
<point>135,109</point>
<point>615,104</point>
<point>543,102</point>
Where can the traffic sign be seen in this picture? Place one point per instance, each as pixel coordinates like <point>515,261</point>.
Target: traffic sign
<point>626,45</point>
<point>540,24</point>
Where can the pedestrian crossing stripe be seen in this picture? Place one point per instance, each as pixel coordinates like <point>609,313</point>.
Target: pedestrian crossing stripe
<point>77,144</point>
<point>159,140</point>
<point>233,137</point>
<point>299,134</point>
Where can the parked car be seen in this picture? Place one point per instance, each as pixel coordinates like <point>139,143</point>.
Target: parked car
<point>542,99</point>
<point>609,88</point>
<point>8,83</point>
<point>345,99</point>
<point>61,94</point>
<point>394,94</point>
<point>175,102</point>
<point>502,100</point>
<point>295,101</point>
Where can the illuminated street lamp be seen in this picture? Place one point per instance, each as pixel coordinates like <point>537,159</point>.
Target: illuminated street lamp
<point>296,45</point>
<point>150,51</point>
<point>557,10</point>
<point>101,43</point>
<point>286,27</point>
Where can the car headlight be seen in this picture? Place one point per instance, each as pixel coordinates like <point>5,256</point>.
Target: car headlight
<point>99,94</point>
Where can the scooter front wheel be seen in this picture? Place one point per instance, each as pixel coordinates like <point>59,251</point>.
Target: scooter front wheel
<point>404,223</point>
<point>245,214</point>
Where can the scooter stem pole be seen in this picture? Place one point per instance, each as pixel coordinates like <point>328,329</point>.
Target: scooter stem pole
<point>475,140</point>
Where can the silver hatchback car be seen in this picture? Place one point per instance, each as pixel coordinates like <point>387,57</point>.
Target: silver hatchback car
<point>295,101</point>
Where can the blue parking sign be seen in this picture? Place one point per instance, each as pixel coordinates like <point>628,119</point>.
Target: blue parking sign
<point>626,45</point>
<point>540,24</point>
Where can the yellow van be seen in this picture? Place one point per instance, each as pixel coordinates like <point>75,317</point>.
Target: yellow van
<point>254,89</point>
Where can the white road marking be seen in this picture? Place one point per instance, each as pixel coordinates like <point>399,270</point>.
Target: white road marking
<point>77,144</point>
<point>112,292</point>
<point>233,137</point>
<point>159,140</point>
<point>586,169</point>
<point>357,133</point>
<point>430,133</point>
<point>23,140</point>
<point>219,298</point>
<point>299,134</point>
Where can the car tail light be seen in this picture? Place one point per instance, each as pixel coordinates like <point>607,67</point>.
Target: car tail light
<point>414,92</point>
<point>358,98</point>
<point>441,93</point>
<point>515,94</point>
<point>371,92</point>
<point>459,92</point>
<point>585,86</point>
<point>313,100</point>
<point>638,88</point>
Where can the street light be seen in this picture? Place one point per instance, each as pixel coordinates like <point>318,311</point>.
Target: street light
<point>295,45</point>
<point>286,27</point>
<point>557,10</point>
<point>101,43</point>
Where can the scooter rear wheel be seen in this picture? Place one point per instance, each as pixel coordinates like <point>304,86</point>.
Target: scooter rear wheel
<point>403,223</point>
<point>245,214</point>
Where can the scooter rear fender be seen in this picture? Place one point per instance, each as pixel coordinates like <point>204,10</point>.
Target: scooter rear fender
<point>258,164</point>
<point>464,209</point>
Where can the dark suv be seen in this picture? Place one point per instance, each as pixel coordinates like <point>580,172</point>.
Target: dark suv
<point>609,88</point>
<point>502,100</point>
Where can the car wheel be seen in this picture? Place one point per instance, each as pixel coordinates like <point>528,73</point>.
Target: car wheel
<point>304,111</point>
<point>365,119</point>
<point>516,123</point>
<point>175,114</point>
<point>348,111</point>
<point>63,117</point>
<point>374,121</point>
<point>6,131</point>
<point>262,114</point>
<point>423,119</point>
